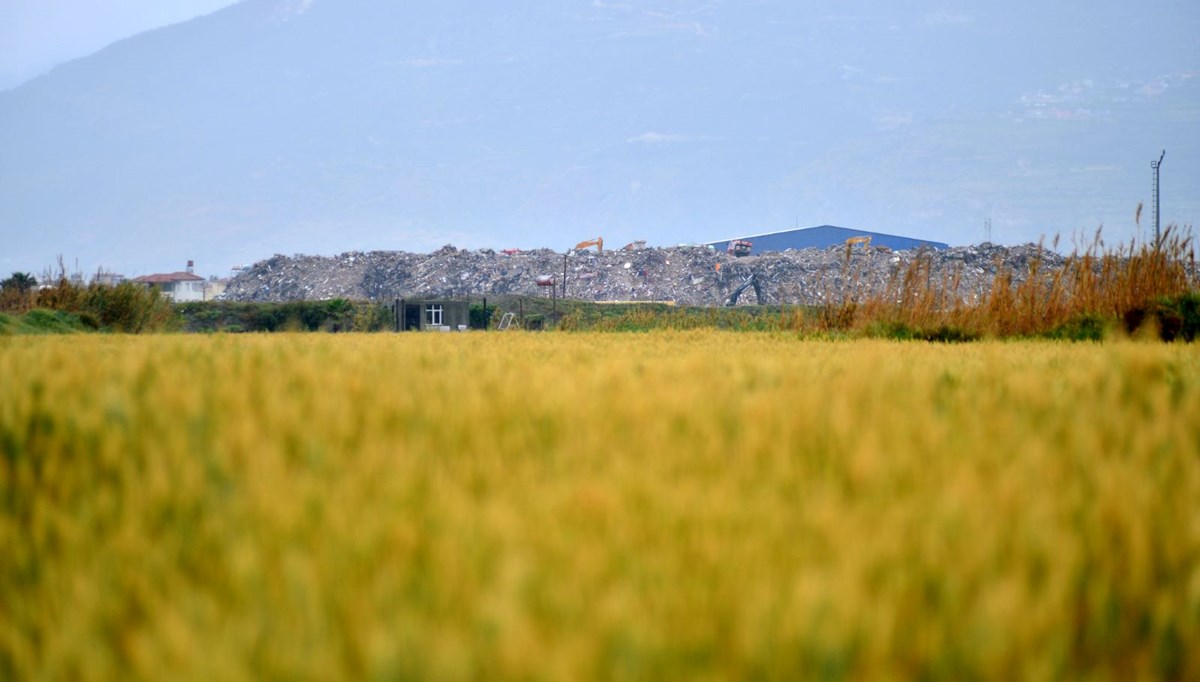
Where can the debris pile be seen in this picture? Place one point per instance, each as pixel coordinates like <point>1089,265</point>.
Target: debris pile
<point>686,275</point>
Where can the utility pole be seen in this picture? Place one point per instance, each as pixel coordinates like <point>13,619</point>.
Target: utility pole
<point>1157,198</point>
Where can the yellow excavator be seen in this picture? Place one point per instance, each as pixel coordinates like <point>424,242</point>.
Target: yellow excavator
<point>864,240</point>
<point>598,242</point>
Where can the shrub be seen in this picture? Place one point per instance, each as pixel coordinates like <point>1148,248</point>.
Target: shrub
<point>480,317</point>
<point>1082,327</point>
<point>372,317</point>
<point>1170,318</point>
<point>128,307</point>
<point>63,295</point>
<point>41,320</point>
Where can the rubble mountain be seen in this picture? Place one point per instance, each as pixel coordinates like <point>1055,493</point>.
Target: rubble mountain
<point>685,275</point>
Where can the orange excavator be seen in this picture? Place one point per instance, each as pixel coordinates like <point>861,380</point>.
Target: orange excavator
<point>865,240</point>
<point>598,242</point>
<point>740,247</point>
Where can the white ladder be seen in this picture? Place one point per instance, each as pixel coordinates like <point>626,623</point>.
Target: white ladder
<point>506,321</point>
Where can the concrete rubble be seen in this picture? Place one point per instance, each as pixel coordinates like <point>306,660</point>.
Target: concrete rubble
<point>686,275</point>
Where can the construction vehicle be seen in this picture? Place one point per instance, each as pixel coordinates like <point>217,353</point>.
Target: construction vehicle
<point>751,281</point>
<point>864,240</point>
<point>598,242</point>
<point>740,247</point>
<point>634,245</point>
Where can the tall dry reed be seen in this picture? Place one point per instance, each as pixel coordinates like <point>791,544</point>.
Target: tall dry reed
<point>1110,283</point>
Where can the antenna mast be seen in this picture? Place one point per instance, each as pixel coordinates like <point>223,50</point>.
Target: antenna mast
<point>1156,197</point>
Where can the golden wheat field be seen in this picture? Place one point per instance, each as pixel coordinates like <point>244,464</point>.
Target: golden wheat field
<point>675,505</point>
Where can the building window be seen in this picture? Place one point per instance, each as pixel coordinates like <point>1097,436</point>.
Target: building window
<point>433,315</point>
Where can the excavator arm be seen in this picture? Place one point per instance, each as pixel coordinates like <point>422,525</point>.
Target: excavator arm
<point>751,281</point>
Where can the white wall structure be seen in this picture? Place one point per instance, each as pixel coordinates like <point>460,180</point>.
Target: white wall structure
<point>177,286</point>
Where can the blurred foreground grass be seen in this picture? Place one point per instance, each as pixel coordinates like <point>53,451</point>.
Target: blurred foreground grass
<point>697,505</point>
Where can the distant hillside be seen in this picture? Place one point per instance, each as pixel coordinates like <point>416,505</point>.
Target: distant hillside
<point>320,126</point>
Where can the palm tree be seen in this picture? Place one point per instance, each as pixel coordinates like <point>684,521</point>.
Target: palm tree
<point>20,281</point>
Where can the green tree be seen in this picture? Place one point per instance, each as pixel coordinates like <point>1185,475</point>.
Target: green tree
<point>21,282</point>
<point>17,292</point>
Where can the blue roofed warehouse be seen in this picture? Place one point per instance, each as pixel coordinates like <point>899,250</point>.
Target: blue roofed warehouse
<point>824,237</point>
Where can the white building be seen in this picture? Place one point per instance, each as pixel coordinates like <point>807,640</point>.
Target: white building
<point>177,286</point>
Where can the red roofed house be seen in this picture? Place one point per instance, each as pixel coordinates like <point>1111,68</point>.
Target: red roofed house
<point>177,286</point>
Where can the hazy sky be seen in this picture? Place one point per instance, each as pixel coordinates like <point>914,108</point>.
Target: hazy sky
<point>539,122</point>
<point>35,35</point>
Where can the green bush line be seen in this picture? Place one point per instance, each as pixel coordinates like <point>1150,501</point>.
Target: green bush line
<point>42,321</point>
<point>130,309</point>
<point>1169,318</point>
<point>336,315</point>
<point>68,308</point>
